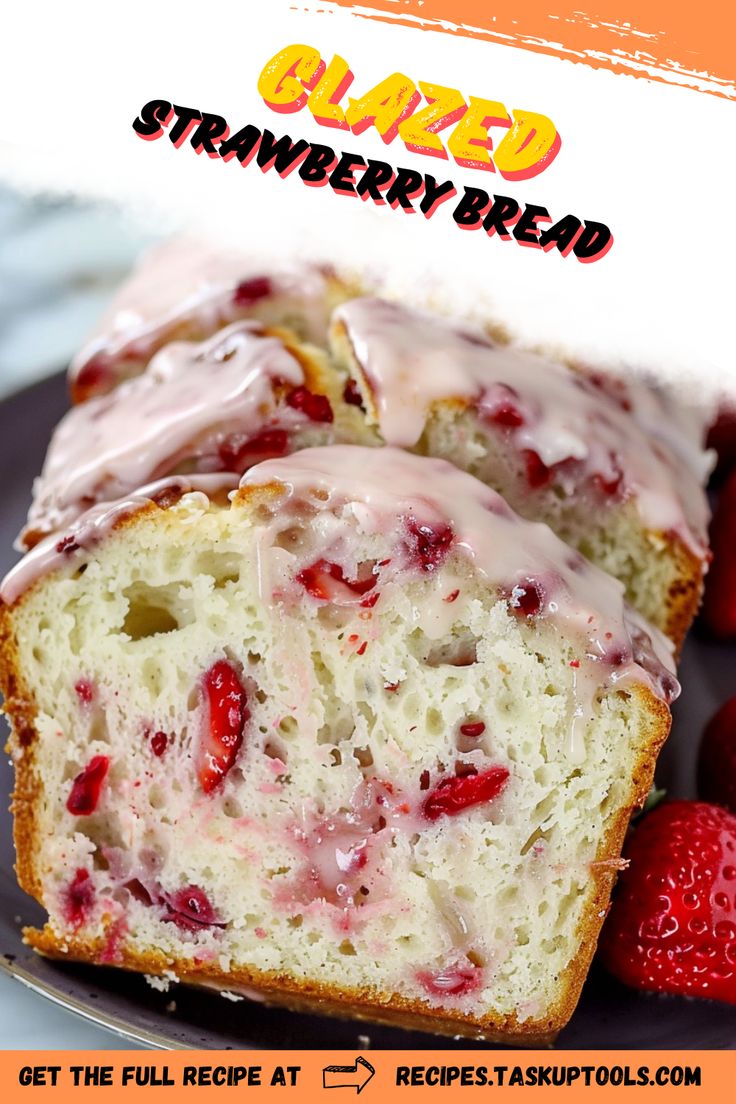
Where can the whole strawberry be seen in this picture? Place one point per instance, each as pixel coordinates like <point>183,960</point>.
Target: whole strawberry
<point>672,927</point>
<point>719,605</point>
<point>717,761</point>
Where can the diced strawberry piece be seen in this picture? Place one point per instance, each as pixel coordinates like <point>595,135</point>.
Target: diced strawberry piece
<point>717,762</point>
<point>95,376</point>
<point>453,981</point>
<point>527,598</point>
<point>316,407</point>
<point>506,414</point>
<point>85,691</point>
<point>719,605</point>
<point>452,795</point>
<point>611,483</point>
<point>251,291</point>
<point>351,394</point>
<point>190,910</point>
<point>237,453</point>
<point>324,580</point>
<point>225,717</point>
<point>672,926</point>
<point>114,939</point>
<point>428,545</point>
<point>159,741</point>
<point>537,472</point>
<point>138,891</point>
<point>501,406</point>
<point>87,786</point>
<point>67,545</point>
<point>79,897</point>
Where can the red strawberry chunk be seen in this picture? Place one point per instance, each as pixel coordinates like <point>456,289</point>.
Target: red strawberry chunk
<point>717,762</point>
<point>428,545</point>
<point>85,691</point>
<point>537,472</point>
<point>453,794</point>
<point>79,898</point>
<point>93,377</point>
<point>87,786</point>
<point>238,453</point>
<point>473,729</point>
<point>226,714</point>
<point>501,406</point>
<point>316,407</point>
<point>159,740</point>
<point>251,291</point>
<point>527,598</point>
<point>190,910</point>
<point>719,605</point>
<point>351,394</point>
<point>672,927</point>
<point>453,981</point>
<point>326,581</point>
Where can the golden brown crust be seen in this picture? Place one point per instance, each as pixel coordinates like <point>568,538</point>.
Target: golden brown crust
<point>305,995</point>
<point>685,593</point>
<point>604,876</point>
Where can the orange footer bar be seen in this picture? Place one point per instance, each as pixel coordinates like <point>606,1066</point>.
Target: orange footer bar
<point>380,1076</point>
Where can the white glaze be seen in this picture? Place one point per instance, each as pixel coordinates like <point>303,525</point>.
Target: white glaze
<point>412,360</point>
<point>186,283</point>
<point>187,401</point>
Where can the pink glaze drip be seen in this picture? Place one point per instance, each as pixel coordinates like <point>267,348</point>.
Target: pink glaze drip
<point>185,288</point>
<point>180,414</point>
<point>565,426</point>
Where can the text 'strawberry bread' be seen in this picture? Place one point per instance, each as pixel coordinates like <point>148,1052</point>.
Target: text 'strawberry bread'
<point>184,290</point>
<point>607,464</point>
<point>355,738</point>
<point>246,394</point>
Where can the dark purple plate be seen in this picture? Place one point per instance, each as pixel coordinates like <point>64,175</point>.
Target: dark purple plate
<point>608,1016</point>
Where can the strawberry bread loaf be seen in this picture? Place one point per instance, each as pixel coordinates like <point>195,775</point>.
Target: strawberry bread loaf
<point>245,394</point>
<point>185,290</point>
<point>346,733</point>
<point>615,467</point>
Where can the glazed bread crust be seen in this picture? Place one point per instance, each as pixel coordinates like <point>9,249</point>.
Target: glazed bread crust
<point>211,545</point>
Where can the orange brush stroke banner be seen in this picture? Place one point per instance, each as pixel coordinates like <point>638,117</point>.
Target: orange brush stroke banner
<point>690,46</point>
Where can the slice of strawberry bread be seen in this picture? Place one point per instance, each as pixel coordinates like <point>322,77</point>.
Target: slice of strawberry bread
<point>243,395</point>
<point>353,737</point>
<point>613,466</point>
<point>186,290</point>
